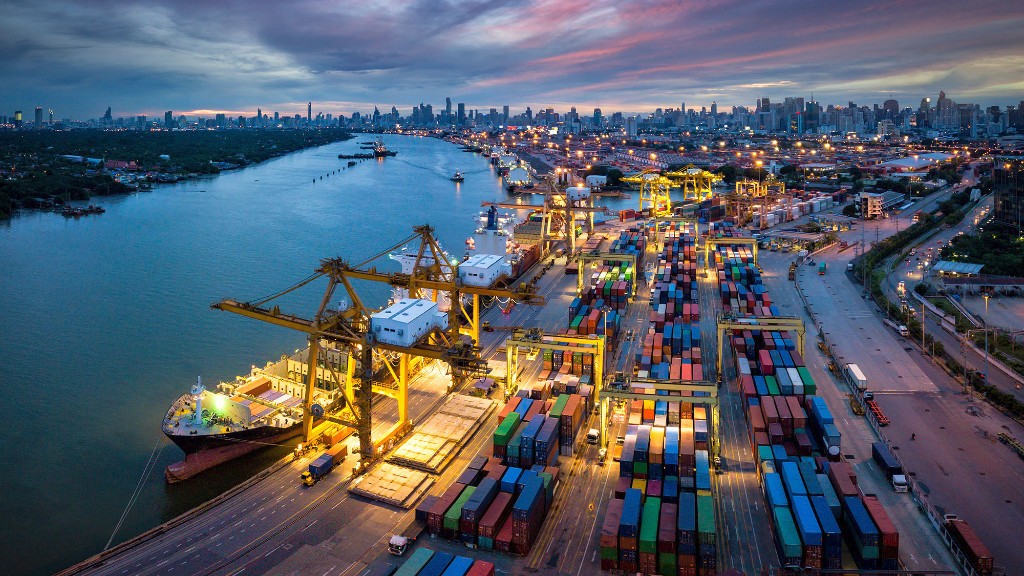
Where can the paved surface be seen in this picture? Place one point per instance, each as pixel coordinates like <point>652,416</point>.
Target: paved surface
<point>920,547</point>
<point>742,517</point>
<point>958,445</point>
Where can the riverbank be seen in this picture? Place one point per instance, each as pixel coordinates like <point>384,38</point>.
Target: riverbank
<point>49,169</point>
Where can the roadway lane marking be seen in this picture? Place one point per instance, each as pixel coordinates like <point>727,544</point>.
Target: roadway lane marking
<point>309,525</point>
<point>162,563</point>
<point>329,569</point>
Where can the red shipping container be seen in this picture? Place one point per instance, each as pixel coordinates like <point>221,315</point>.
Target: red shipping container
<point>890,537</point>
<point>503,541</point>
<point>435,519</point>
<point>496,514</point>
<point>481,568</point>
<point>511,405</point>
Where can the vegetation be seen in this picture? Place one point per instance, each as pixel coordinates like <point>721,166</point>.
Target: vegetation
<point>851,210</point>
<point>32,164</point>
<point>875,259</point>
<point>614,174</point>
<point>999,248</point>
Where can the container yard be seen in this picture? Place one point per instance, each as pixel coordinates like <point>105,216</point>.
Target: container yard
<point>601,446</point>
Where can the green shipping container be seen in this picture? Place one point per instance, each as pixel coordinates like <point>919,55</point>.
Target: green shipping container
<point>503,433</point>
<point>810,388</point>
<point>785,531</point>
<point>649,525</point>
<point>451,517</point>
<point>559,407</point>
<point>772,384</point>
<point>666,563</point>
<point>705,514</point>
<point>608,553</point>
<point>764,454</point>
<point>639,469</point>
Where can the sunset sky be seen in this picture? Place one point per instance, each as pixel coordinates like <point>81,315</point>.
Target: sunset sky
<point>144,57</point>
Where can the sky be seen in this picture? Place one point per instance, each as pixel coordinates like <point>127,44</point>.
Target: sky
<point>198,57</point>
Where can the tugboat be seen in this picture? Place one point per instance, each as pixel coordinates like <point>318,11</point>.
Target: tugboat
<point>458,177</point>
<point>380,150</point>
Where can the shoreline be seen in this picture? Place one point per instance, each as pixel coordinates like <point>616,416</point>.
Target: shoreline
<point>56,206</point>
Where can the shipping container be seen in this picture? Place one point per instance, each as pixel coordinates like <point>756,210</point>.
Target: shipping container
<point>415,563</point>
<point>437,564</point>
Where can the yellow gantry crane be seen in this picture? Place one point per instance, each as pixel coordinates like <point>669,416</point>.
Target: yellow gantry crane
<point>371,362</point>
<point>654,192</point>
<point>559,214</point>
<point>697,183</point>
<point>759,196</point>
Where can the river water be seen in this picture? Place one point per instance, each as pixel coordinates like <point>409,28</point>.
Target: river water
<point>105,320</point>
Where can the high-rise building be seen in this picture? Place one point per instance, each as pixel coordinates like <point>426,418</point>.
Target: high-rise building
<point>39,115</point>
<point>461,119</point>
<point>17,119</point>
<point>107,117</point>
<point>631,126</point>
<point>169,119</point>
<point>504,114</point>
<point>259,116</point>
<point>1008,191</point>
<point>309,113</point>
<point>598,120</point>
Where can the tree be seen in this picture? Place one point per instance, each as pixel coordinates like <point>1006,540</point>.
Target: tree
<point>850,210</point>
<point>728,172</point>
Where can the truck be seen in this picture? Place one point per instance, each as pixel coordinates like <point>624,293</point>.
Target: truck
<point>889,465</point>
<point>856,377</point>
<point>821,268</point>
<point>900,329</point>
<point>324,463</point>
<point>399,543</point>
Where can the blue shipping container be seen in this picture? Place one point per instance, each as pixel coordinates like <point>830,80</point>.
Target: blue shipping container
<point>459,566</point>
<point>806,522</point>
<point>437,564</point>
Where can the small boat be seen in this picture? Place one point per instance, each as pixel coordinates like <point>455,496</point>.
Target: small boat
<point>458,177</point>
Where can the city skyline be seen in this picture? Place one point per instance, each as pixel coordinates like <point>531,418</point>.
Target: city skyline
<point>80,57</point>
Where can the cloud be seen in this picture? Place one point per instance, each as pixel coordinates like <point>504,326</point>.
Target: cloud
<point>79,57</point>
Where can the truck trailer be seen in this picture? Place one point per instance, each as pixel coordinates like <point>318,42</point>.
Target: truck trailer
<point>324,463</point>
<point>890,466</point>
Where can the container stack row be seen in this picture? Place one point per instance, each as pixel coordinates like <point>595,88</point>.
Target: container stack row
<point>814,504</point>
<point>493,506</point>
<point>662,517</point>
<point>631,241</point>
<point>655,535</point>
<point>534,432</point>
<point>594,317</point>
<point>579,362</point>
<point>426,562</point>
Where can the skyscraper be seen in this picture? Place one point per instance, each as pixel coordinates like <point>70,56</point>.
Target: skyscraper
<point>309,113</point>
<point>17,119</point>
<point>1008,191</point>
<point>259,116</point>
<point>39,115</point>
<point>461,120</point>
<point>169,119</point>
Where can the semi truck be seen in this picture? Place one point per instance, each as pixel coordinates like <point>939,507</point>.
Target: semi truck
<point>821,268</point>
<point>890,466</point>
<point>324,463</point>
<point>900,329</point>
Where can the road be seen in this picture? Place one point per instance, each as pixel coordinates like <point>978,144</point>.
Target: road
<point>846,321</point>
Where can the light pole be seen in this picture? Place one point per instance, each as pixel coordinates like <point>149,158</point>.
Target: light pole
<point>985,320</point>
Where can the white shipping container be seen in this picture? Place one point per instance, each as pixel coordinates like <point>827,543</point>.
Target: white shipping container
<point>483,269</point>
<point>406,321</point>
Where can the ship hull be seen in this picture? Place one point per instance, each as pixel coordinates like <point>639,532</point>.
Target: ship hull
<point>206,451</point>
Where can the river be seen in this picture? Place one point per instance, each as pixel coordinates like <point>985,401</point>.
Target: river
<point>106,319</point>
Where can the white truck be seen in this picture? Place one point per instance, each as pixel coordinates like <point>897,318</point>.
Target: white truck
<point>856,377</point>
<point>900,329</point>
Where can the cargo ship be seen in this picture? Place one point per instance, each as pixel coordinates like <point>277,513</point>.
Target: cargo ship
<point>260,410</point>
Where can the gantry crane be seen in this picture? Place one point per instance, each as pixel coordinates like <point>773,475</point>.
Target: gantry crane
<point>348,330</point>
<point>654,192</point>
<point>559,214</point>
<point>759,195</point>
<point>697,183</point>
